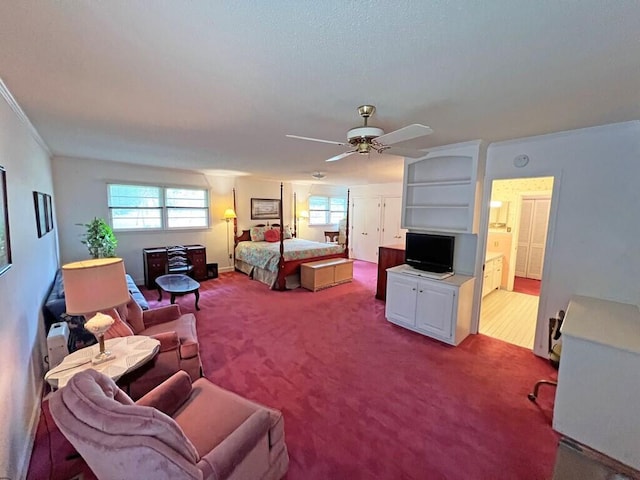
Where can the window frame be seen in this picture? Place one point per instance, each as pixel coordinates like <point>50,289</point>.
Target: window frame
<point>163,208</point>
<point>328,211</point>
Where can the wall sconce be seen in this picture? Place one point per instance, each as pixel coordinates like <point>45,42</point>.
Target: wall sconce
<point>495,203</point>
<point>303,215</point>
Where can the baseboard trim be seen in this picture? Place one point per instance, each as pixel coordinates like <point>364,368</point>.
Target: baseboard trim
<point>33,428</point>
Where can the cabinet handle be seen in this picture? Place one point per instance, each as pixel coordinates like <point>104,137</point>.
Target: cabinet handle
<point>413,289</point>
<point>421,291</point>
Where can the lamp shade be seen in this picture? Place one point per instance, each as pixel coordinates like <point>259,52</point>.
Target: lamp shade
<point>229,213</point>
<point>94,285</point>
<point>304,214</point>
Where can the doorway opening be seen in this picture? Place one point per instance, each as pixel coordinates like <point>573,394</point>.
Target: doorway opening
<point>514,258</point>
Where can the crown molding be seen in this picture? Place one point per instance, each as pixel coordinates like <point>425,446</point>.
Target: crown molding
<point>6,94</point>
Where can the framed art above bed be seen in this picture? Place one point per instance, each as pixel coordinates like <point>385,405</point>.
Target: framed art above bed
<point>265,209</point>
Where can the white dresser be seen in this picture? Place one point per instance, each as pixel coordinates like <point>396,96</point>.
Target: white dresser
<point>598,398</point>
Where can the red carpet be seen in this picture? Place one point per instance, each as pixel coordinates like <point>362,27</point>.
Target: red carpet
<point>363,399</point>
<point>526,285</point>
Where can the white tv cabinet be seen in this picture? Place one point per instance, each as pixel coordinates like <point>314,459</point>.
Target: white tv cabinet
<point>440,309</point>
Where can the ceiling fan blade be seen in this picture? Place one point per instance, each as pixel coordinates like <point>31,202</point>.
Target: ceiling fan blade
<point>405,152</point>
<point>406,133</point>
<point>316,140</point>
<point>341,156</point>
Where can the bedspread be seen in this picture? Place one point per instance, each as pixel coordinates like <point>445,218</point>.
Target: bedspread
<point>267,254</point>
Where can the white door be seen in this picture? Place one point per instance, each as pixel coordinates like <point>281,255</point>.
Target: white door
<point>434,310</point>
<point>532,237</point>
<point>539,225</point>
<point>392,234</point>
<point>401,299</point>
<point>365,231</point>
<point>524,237</point>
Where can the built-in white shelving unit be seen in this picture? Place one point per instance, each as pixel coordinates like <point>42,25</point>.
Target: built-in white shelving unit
<point>440,190</point>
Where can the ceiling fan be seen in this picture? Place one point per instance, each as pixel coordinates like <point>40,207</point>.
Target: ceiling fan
<point>366,138</point>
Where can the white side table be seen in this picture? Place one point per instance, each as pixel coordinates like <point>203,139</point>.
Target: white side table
<point>130,353</point>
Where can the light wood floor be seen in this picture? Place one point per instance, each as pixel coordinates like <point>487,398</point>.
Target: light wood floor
<point>509,316</point>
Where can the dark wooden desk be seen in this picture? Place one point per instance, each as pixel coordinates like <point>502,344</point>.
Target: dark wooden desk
<point>388,256</point>
<point>155,263</point>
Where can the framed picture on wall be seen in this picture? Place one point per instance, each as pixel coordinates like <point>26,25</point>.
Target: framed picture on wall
<point>49,211</point>
<point>265,209</point>
<point>5,242</point>
<point>39,204</point>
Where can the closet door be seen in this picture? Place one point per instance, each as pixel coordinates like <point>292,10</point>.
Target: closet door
<point>365,231</point>
<point>532,237</point>
<point>524,237</point>
<point>392,234</point>
<point>539,225</point>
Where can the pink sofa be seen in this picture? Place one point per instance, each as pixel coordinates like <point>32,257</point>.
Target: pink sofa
<point>178,430</point>
<point>178,344</point>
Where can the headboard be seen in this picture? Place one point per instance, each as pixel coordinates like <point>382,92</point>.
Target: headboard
<point>245,236</point>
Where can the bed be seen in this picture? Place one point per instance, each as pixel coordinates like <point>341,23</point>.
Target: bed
<point>277,263</point>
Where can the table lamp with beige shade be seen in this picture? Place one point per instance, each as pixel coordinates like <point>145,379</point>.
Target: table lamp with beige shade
<point>93,286</point>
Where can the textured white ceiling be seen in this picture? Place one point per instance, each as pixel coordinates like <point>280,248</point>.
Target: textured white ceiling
<point>217,85</point>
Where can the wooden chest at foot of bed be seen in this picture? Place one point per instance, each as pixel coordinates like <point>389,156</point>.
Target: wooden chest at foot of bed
<point>326,273</point>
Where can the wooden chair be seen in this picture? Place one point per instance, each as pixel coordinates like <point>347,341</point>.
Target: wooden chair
<point>177,260</point>
<point>331,236</point>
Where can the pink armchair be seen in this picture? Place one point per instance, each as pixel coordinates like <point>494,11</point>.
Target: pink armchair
<point>178,430</point>
<point>178,344</point>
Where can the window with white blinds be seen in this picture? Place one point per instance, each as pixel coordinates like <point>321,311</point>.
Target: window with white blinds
<point>326,210</point>
<point>147,207</point>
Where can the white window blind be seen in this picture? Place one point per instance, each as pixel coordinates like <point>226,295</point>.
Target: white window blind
<point>326,210</point>
<point>142,207</point>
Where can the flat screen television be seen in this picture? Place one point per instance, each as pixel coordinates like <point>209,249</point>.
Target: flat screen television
<point>433,253</point>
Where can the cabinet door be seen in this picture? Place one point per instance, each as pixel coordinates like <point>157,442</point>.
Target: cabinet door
<point>434,309</point>
<point>155,262</point>
<point>198,258</point>
<point>497,274</point>
<point>401,299</point>
<point>487,279</point>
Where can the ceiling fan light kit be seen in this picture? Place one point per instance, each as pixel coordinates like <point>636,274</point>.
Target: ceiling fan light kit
<point>363,139</point>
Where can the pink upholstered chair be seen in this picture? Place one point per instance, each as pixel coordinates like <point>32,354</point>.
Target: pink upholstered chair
<point>177,430</point>
<point>178,344</point>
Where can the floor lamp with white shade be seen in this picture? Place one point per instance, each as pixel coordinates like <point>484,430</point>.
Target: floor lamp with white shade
<point>229,215</point>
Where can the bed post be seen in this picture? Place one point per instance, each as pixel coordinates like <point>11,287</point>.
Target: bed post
<point>346,229</point>
<point>295,216</point>
<point>235,226</point>
<point>281,279</point>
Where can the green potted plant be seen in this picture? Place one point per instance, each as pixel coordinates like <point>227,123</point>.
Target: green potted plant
<point>99,239</point>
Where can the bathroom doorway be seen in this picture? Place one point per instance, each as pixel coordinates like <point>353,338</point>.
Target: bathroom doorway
<point>514,258</point>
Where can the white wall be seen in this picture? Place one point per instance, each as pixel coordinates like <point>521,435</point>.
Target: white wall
<point>593,246</point>
<point>81,192</point>
<point>250,187</point>
<point>22,291</point>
